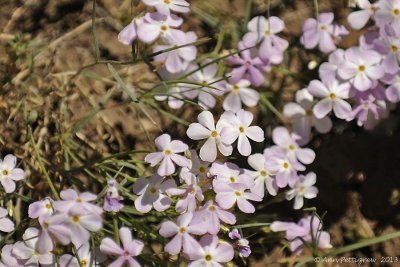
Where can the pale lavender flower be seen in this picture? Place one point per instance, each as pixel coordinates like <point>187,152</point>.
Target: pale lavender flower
<point>210,85</point>
<point>178,59</point>
<point>53,229</point>
<point>181,231</point>
<point>240,93</point>
<point>247,66</point>
<point>230,173</point>
<point>210,252</point>
<point>283,167</point>
<point>328,70</point>
<point>112,199</point>
<point>78,203</point>
<point>288,142</point>
<point>156,24</point>
<point>41,209</point>
<point>321,33</point>
<point>190,194</point>
<point>309,229</point>
<point>303,118</point>
<point>168,155</point>
<point>129,33</point>
<point>210,216</point>
<point>30,252</point>
<point>360,18</point>
<point>9,173</point>
<point>333,95</point>
<point>361,68</point>
<point>229,194</point>
<point>393,90</point>
<point>303,189</point>
<point>388,13</point>
<point>198,168</point>
<point>206,129</point>
<point>85,256</point>
<point>80,226</point>
<point>151,193</point>
<point>6,225</point>
<point>130,249</point>
<point>165,7</point>
<point>262,178</point>
<point>238,128</point>
<point>8,259</point>
<point>389,46</point>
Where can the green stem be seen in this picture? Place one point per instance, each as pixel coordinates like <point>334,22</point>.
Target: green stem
<point>116,229</point>
<point>249,4</point>
<point>42,167</point>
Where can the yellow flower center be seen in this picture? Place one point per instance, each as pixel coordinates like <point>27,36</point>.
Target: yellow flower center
<point>332,96</point>
<point>211,208</point>
<point>232,179</point>
<point>167,152</point>
<point>153,190</point>
<point>241,129</point>
<point>322,27</point>
<point>285,165</point>
<point>366,105</point>
<point>291,147</point>
<point>5,172</point>
<point>202,169</point>
<point>302,189</point>
<point>45,225</point>
<point>267,33</point>
<point>263,173</point>
<point>235,88</point>
<point>238,193</point>
<point>192,191</point>
<point>394,48</point>
<point>79,200</point>
<point>83,263</point>
<point>164,28</point>
<point>167,2</point>
<point>214,134</point>
<point>48,206</point>
<point>308,112</point>
<point>396,12</point>
<point>361,68</point>
<point>75,219</point>
<point>208,257</point>
<point>182,230</point>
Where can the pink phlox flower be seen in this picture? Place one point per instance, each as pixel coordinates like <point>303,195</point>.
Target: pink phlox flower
<point>388,13</point>
<point>362,68</point>
<point>30,253</point>
<point>72,201</point>
<point>206,129</point>
<point>85,256</point>
<point>229,194</point>
<point>181,232</point>
<point>210,252</point>
<point>333,94</point>
<point>178,59</point>
<point>303,189</point>
<point>321,33</point>
<point>9,173</point>
<point>282,166</point>
<point>42,208</point>
<point>238,128</point>
<point>241,244</point>
<point>156,24</point>
<point>190,193</point>
<point>309,229</point>
<point>129,33</point>
<point>303,118</point>
<point>230,173</point>
<point>262,178</point>
<point>247,66</point>
<point>288,142</point>
<point>240,93</point>
<point>211,215</point>
<point>358,19</point>
<point>168,155</point>
<point>125,254</point>
<point>210,85</point>
<point>152,193</point>
<point>6,224</point>
<point>165,7</point>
